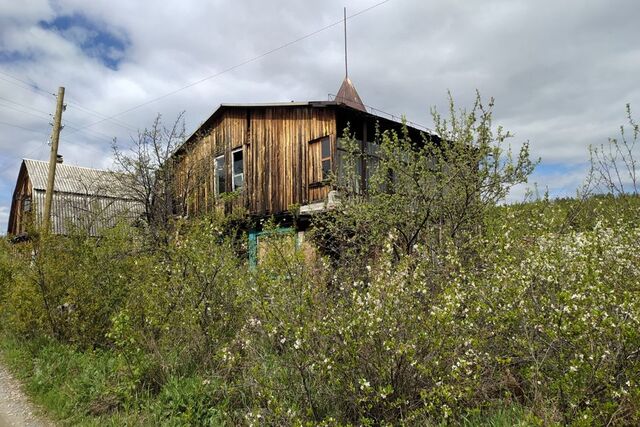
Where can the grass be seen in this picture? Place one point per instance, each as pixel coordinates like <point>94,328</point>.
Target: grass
<point>84,388</point>
<point>91,388</point>
<point>75,388</point>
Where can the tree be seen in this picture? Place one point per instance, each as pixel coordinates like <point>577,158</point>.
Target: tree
<point>616,164</point>
<point>148,173</point>
<point>424,194</point>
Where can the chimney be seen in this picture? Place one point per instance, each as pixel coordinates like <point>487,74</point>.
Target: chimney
<point>59,159</point>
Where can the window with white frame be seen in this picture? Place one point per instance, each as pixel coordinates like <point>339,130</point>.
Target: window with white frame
<point>238,169</point>
<point>220,175</point>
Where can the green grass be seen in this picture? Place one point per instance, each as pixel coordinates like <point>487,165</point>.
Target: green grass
<point>75,388</point>
<point>82,389</point>
<point>89,388</point>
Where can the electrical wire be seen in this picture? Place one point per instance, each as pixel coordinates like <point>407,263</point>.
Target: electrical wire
<point>67,123</point>
<point>31,87</point>
<point>25,106</point>
<point>25,83</point>
<point>113,117</point>
<point>240,64</point>
<point>102,116</point>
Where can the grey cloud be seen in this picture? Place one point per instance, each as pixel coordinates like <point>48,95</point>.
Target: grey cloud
<point>561,71</point>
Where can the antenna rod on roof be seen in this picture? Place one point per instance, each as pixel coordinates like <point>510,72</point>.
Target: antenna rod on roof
<point>346,71</point>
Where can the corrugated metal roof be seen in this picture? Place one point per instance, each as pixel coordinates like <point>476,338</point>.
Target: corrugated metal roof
<point>83,198</point>
<point>74,179</point>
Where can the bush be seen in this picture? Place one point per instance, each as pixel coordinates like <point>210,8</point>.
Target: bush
<point>427,305</point>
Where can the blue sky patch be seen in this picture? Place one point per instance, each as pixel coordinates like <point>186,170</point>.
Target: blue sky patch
<point>93,38</point>
<point>14,56</point>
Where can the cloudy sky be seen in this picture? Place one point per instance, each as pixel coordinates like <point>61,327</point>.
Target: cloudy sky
<point>561,71</point>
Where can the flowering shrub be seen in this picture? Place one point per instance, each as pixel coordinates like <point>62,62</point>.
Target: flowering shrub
<point>433,306</point>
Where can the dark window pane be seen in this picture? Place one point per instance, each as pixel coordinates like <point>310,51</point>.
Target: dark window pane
<point>238,180</point>
<point>326,169</point>
<point>220,175</point>
<point>373,149</point>
<point>326,148</point>
<point>237,162</point>
<point>219,164</point>
<point>372,167</point>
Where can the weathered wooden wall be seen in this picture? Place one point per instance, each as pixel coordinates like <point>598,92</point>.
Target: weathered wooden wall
<point>275,140</point>
<point>17,217</point>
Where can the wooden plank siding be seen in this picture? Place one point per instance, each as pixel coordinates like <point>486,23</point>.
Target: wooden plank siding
<point>275,141</point>
<point>18,218</point>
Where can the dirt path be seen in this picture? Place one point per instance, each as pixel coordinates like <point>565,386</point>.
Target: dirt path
<point>15,409</point>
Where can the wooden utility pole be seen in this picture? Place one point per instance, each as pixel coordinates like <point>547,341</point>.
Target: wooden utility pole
<point>53,161</point>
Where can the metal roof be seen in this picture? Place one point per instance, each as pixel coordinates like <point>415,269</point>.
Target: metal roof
<point>74,179</point>
<point>347,94</point>
<point>84,198</point>
<point>270,104</point>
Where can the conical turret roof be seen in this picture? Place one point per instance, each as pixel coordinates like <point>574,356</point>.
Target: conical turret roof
<point>349,95</point>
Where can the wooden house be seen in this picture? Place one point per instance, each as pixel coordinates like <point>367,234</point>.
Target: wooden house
<point>84,198</point>
<point>275,156</point>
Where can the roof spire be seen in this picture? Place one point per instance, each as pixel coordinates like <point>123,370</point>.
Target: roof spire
<point>347,94</point>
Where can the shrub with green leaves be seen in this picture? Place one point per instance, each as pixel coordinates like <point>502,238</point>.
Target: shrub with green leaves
<point>428,303</point>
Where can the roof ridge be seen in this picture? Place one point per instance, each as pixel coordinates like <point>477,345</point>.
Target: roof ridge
<point>72,166</point>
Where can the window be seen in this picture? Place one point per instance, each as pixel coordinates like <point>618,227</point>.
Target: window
<point>26,204</point>
<point>325,157</point>
<point>319,161</point>
<point>349,167</point>
<point>220,176</point>
<point>238,169</point>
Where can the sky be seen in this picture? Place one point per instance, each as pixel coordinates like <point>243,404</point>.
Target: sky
<point>561,72</point>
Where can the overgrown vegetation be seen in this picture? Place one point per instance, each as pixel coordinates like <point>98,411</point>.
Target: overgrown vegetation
<point>428,304</point>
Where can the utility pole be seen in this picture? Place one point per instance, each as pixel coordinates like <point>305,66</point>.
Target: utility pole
<point>53,161</point>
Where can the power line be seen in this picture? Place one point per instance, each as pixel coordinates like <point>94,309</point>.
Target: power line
<point>245,62</point>
<point>96,133</point>
<point>25,106</point>
<point>103,116</point>
<point>68,123</point>
<point>21,127</point>
<point>33,87</point>
<point>113,119</point>
<point>37,148</point>
<point>4,164</point>
<point>21,111</point>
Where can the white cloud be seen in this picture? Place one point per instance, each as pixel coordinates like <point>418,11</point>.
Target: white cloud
<point>561,72</point>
